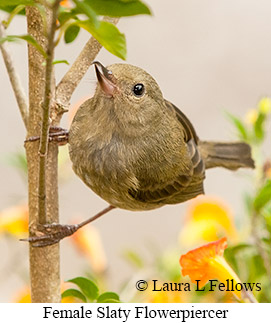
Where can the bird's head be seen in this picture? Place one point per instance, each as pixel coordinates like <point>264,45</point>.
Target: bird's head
<point>131,92</point>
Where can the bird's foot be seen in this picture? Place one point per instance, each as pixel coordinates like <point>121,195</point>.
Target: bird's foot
<point>56,134</point>
<point>49,234</point>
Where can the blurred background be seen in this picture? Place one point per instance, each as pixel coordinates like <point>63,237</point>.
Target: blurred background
<point>208,57</point>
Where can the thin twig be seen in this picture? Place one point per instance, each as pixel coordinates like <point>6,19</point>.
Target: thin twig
<point>47,101</point>
<point>14,78</point>
<point>78,69</point>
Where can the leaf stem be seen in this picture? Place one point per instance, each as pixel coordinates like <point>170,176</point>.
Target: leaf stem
<point>46,106</point>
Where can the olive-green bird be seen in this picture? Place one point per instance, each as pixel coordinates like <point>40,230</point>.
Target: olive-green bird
<point>137,150</point>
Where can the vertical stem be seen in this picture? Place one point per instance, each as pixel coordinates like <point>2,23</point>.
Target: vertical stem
<point>44,262</point>
<point>46,106</point>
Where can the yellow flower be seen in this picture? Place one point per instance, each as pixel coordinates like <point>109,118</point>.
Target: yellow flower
<point>251,116</point>
<point>265,105</point>
<point>207,262</point>
<point>14,220</point>
<point>89,243</point>
<point>208,219</point>
<point>23,295</point>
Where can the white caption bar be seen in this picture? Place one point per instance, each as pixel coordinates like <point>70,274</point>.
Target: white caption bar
<point>122,312</point>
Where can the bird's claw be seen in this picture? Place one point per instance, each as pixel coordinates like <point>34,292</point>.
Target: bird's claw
<point>56,134</point>
<point>50,234</point>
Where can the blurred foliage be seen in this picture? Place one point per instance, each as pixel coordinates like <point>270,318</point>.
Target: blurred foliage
<point>76,14</point>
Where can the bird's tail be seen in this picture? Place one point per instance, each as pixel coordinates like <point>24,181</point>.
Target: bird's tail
<point>228,155</point>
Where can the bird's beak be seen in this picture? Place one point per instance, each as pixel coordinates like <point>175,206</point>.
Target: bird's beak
<point>105,78</point>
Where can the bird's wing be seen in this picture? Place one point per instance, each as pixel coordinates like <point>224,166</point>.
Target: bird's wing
<point>190,132</point>
<point>191,139</point>
<point>184,187</point>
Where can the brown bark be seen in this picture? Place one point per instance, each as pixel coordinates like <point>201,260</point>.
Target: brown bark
<point>44,262</point>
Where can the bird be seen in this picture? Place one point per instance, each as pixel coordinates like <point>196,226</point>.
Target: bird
<point>137,150</point>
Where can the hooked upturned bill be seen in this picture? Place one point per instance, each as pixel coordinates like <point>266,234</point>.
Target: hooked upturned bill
<point>137,150</point>
<point>104,78</point>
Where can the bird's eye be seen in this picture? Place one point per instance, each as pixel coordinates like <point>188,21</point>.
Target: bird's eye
<point>139,89</point>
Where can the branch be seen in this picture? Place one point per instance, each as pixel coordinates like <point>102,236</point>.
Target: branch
<point>14,78</point>
<point>78,69</point>
<point>44,262</point>
<point>47,101</point>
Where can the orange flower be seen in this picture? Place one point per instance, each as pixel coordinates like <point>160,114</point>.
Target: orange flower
<point>207,262</point>
<point>89,243</point>
<point>65,3</point>
<point>208,219</point>
<point>74,108</point>
<point>14,220</point>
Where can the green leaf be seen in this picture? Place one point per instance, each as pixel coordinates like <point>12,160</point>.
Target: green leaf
<point>64,16</point>
<point>118,8</point>
<point>14,12</point>
<point>88,287</point>
<point>10,5</point>
<point>233,253</point>
<point>31,40</point>
<point>108,36</point>
<point>240,127</point>
<point>85,8</point>
<point>267,217</point>
<point>259,126</point>
<point>74,293</point>
<point>256,267</point>
<point>6,3</point>
<point>237,248</point>
<point>108,297</point>
<point>263,196</point>
<point>63,61</point>
<point>111,301</point>
<point>71,33</point>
